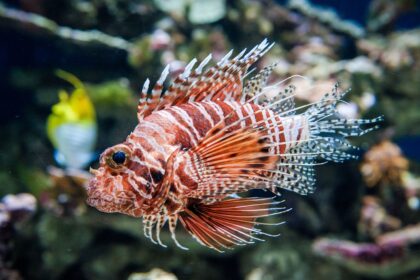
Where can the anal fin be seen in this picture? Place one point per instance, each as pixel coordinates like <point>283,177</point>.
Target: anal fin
<point>228,223</point>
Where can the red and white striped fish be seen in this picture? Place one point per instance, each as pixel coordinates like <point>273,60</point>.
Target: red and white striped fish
<point>207,138</point>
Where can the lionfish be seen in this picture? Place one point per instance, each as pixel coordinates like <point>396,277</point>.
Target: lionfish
<point>210,136</point>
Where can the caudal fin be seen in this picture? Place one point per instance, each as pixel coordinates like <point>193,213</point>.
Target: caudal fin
<point>326,139</point>
<point>329,130</point>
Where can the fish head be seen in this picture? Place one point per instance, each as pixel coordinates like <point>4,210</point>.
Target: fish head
<point>120,184</point>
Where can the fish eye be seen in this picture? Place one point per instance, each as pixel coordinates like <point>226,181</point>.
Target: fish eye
<point>119,157</point>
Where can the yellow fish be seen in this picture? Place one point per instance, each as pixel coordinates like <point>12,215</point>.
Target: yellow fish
<point>71,126</point>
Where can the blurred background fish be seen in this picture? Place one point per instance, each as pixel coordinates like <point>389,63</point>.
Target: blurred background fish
<point>71,126</point>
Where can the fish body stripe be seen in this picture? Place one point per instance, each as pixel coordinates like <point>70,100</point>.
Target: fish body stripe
<point>238,111</point>
<point>152,142</point>
<point>174,121</point>
<point>186,119</point>
<point>215,108</point>
<point>152,126</point>
<point>272,132</point>
<point>292,130</point>
<point>185,125</point>
<point>149,161</point>
<point>204,113</point>
<point>162,132</point>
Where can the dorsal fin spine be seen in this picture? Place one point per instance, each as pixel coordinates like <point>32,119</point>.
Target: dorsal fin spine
<point>240,54</point>
<point>141,107</point>
<point>221,82</point>
<point>225,59</point>
<point>164,75</point>
<point>153,99</point>
<point>188,68</point>
<point>201,66</point>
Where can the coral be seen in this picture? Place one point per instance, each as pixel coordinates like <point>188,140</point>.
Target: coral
<point>396,51</point>
<point>384,13</point>
<point>392,254</point>
<point>154,274</point>
<point>383,164</point>
<point>199,11</point>
<point>19,207</point>
<point>67,195</point>
<point>327,16</point>
<point>409,236</point>
<point>374,219</point>
<point>14,209</point>
<point>411,186</point>
<point>205,11</point>
<point>47,26</point>
<point>286,260</point>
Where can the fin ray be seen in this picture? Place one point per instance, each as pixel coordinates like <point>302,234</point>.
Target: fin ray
<point>219,229</point>
<point>222,81</point>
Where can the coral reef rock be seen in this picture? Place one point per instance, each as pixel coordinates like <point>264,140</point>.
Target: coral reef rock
<point>154,274</point>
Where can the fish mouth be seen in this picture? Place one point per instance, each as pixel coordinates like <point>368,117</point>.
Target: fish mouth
<point>101,200</point>
<point>103,204</point>
<point>94,197</point>
<point>98,203</point>
<point>91,186</point>
<point>99,197</point>
<point>109,205</point>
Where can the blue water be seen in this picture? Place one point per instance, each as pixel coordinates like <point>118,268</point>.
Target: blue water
<point>357,10</point>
